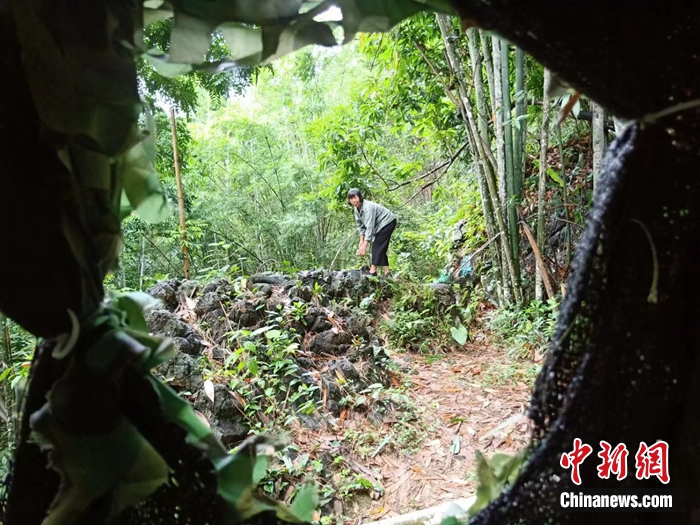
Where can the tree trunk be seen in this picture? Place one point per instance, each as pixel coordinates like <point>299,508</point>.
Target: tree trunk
<point>542,182</point>
<point>599,139</point>
<point>180,197</point>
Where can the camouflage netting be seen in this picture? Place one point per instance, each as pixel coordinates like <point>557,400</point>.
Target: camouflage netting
<point>623,365</point>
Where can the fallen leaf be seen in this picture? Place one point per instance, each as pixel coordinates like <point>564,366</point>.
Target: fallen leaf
<point>209,389</point>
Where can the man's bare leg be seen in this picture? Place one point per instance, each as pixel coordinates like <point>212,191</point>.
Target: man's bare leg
<point>372,269</point>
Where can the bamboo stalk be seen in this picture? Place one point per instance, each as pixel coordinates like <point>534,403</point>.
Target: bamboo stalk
<point>180,197</point>
<point>542,182</point>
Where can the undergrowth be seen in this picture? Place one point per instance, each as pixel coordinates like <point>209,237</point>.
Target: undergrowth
<point>524,332</point>
<point>427,319</point>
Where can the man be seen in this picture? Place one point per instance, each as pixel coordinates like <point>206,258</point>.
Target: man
<point>375,224</point>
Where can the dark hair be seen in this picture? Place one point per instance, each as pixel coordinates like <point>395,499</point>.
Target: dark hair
<point>355,192</point>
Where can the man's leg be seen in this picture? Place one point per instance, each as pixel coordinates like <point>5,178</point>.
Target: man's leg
<point>387,271</point>
<point>373,269</point>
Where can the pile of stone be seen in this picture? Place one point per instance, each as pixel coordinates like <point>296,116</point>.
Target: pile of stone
<point>339,350</point>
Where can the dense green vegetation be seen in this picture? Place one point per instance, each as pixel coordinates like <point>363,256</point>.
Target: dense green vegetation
<point>265,175</point>
<point>265,168</point>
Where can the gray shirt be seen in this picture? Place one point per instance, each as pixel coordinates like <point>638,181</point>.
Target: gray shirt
<point>372,217</point>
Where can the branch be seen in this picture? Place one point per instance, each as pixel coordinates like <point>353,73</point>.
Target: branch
<point>277,176</point>
<point>420,177</point>
<point>454,99</point>
<point>449,165</point>
<point>364,155</point>
<point>256,172</point>
<point>232,241</point>
<point>167,259</point>
<point>538,257</point>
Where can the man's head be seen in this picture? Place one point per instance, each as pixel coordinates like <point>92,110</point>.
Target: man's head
<point>355,198</point>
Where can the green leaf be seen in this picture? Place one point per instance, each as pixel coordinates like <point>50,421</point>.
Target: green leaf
<point>262,461</point>
<point>487,488</point>
<point>494,476</point>
<point>460,334</point>
<point>133,311</point>
<point>555,176</point>
<point>253,366</point>
<point>273,334</point>
<point>305,503</point>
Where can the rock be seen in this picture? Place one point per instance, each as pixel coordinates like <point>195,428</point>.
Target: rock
<point>222,286</point>
<point>321,324</point>
<point>188,288</point>
<point>443,293</point>
<point>182,372</point>
<point>192,345</point>
<point>302,293</point>
<point>338,284</point>
<point>208,302</point>
<point>346,369</point>
<point>328,342</point>
<point>244,314</point>
<point>225,415</point>
<point>163,322</point>
<point>333,407</point>
<point>309,422</point>
<point>217,325</point>
<point>276,301</point>
<point>331,386</point>
<point>355,276</point>
<point>305,362</point>
<point>262,290</point>
<point>357,325</point>
<point>358,353</point>
<point>275,279</point>
<point>308,379</point>
<point>316,320</point>
<point>343,349</point>
<point>166,291</point>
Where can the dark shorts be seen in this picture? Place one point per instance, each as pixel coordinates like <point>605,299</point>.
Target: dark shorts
<point>381,245</point>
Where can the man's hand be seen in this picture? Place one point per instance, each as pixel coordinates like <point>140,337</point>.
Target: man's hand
<point>362,250</point>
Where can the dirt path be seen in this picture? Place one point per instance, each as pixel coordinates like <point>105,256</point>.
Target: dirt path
<point>461,402</point>
<point>470,402</point>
